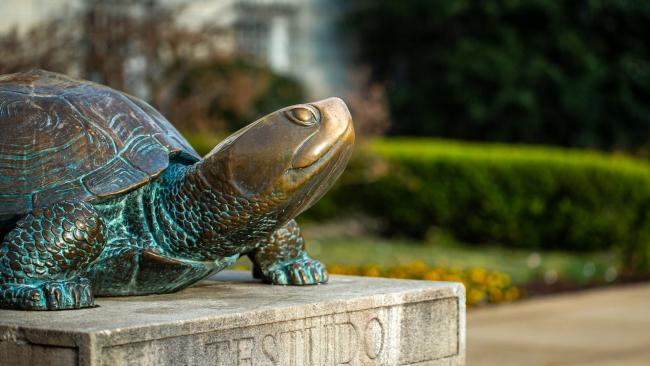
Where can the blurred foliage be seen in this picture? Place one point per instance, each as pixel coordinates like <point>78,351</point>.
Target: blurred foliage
<point>137,47</point>
<point>51,46</point>
<point>225,95</point>
<point>569,72</point>
<point>204,142</point>
<point>368,103</point>
<point>482,286</point>
<point>524,197</point>
<point>102,40</point>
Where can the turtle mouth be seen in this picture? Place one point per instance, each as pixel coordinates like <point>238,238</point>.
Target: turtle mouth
<point>316,179</point>
<point>345,140</point>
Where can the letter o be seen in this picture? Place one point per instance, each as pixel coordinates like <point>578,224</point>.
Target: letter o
<point>374,338</point>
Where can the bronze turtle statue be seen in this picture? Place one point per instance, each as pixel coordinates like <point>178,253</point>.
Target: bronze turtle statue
<point>101,196</point>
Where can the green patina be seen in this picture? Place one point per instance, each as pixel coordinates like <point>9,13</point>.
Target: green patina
<point>101,196</point>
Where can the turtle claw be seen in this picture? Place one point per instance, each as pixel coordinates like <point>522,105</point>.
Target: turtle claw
<point>297,272</point>
<point>26,298</point>
<point>53,295</point>
<point>61,295</point>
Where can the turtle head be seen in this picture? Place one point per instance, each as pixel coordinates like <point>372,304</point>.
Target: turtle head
<point>290,157</point>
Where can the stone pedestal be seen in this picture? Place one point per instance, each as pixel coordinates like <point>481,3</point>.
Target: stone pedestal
<point>232,319</point>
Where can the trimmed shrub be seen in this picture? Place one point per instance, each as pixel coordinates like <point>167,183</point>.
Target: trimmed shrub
<point>525,197</point>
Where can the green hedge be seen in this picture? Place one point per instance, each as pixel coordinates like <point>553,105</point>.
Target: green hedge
<point>526,197</point>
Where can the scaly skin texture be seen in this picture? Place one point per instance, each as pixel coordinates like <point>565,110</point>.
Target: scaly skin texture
<point>183,220</point>
<point>164,236</point>
<point>195,220</point>
<point>179,229</point>
<point>198,221</point>
<point>42,258</point>
<point>282,260</point>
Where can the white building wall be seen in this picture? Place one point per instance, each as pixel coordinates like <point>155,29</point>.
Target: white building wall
<point>23,14</point>
<point>279,51</point>
<point>321,58</point>
<point>298,37</point>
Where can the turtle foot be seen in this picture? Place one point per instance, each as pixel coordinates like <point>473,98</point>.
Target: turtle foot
<point>299,271</point>
<point>51,295</point>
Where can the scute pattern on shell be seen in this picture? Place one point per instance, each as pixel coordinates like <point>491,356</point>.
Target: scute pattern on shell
<point>71,139</point>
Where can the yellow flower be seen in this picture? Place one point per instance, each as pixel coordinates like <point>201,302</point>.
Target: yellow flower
<point>475,296</point>
<point>397,273</point>
<point>481,284</point>
<point>432,276</point>
<point>496,296</point>
<point>512,294</point>
<point>372,271</point>
<point>418,267</point>
<point>478,275</point>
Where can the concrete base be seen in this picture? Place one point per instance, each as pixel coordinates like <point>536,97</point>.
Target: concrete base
<point>232,319</point>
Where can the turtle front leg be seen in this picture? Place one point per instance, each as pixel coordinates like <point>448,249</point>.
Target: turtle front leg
<point>43,259</point>
<point>282,260</point>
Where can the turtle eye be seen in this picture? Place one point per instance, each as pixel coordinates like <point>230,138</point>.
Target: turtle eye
<point>303,115</point>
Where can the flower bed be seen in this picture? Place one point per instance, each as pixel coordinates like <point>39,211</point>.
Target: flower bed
<point>483,286</point>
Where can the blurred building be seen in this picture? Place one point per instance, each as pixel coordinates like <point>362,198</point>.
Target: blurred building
<point>294,37</point>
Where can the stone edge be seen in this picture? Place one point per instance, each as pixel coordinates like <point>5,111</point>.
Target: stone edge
<point>89,344</point>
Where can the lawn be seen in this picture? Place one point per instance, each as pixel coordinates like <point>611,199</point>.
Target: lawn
<point>523,266</point>
<point>490,274</point>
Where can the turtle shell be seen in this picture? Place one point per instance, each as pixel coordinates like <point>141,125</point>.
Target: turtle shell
<point>63,138</point>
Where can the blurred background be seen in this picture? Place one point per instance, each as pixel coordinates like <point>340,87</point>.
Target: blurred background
<point>503,143</point>
<point>552,190</point>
